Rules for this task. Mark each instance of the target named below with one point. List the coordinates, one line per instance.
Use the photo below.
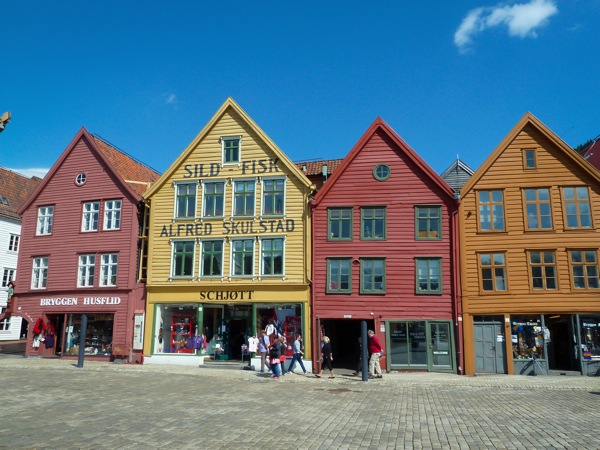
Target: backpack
(274, 352)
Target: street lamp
(4, 119)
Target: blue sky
(450, 77)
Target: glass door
(440, 347)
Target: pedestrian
(274, 355)
(298, 347)
(263, 347)
(359, 366)
(327, 357)
(375, 350)
(282, 354)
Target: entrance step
(234, 365)
(568, 373)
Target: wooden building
(78, 254)
(384, 252)
(530, 236)
(228, 240)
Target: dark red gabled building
(384, 243)
(79, 253)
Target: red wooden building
(79, 253)
(384, 231)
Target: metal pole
(82, 334)
(364, 350)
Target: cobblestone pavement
(49, 403)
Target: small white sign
(347, 316)
(382, 327)
(500, 338)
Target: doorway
(562, 349)
(344, 336)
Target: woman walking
(327, 357)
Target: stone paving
(52, 404)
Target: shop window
(273, 197)
(87, 266)
(492, 267)
(590, 336)
(108, 270)
(491, 210)
(272, 257)
(185, 200)
(91, 212)
(13, 243)
(339, 275)
(39, 276)
(98, 337)
(243, 198)
(212, 258)
(339, 224)
(408, 343)
(543, 269)
(280, 320)
(372, 276)
(373, 223)
(176, 330)
(214, 199)
(429, 222)
(578, 213)
(182, 263)
(112, 215)
(429, 273)
(537, 209)
(527, 337)
(231, 147)
(45, 219)
(242, 257)
(584, 267)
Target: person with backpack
(274, 355)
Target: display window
(176, 329)
(527, 335)
(590, 336)
(98, 337)
(280, 320)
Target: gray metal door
(489, 348)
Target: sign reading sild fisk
(252, 167)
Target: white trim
(201, 264)
(233, 183)
(260, 257)
(216, 181)
(222, 140)
(182, 277)
(231, 261)
(262, 196)
(177, 183)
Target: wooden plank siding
(557, 166)
(411, 183)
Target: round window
(80, 179)
(381, 172)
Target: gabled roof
(312, 168)
(229, 103)
(380, 125)
(529, 120)
(457, 174)
(135, 178)
(14, 191)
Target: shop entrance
(490, 348)
(562, 349)
(344, 336)
(227, 327)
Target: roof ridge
(133, 158)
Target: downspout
(457, 295)
(316, 326)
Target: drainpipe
(457, 294)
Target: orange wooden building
(530, 235)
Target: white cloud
(170, 99)
(522, 20)
(33, 171)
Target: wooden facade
(228, 240)
(78, 252)
(530, 235)
(399, 279)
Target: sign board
(138, 331)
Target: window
(242, 257)
(372, 223)
(537, 207)
(491, 211)
(429, 222)
(91, 212)
(185, 200)
(214, 199)
(543, 270)
(7, 276)
(108, 270)
(429, 272)
(243, 198)
(39, 276)
(339, 224)
(87, 264)
(529, 161)
(273, 197)
(577, 207)
(271, 257)
(527, 336)
(372, 276)
(493, 272)
(45, 216)
(381, 172)
(183, 259)
(339, 275)
(80, 179)
(231, 149)
(212, 258)
(112, 215)
(13, 243)
(584, 267)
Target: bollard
(364, 350)
(82, 335)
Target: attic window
(529, 159)
(381, 172)
(80, 179)
(4, 201)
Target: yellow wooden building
(530, 236)
(228, 246)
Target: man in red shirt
(375, 350)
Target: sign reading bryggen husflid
(228, 241)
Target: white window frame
(172, 271)
(232, 262)
(45, 219)
(204, 183)
(262, 196)
(90, 211)
(175, 202)
(8, 275)
(233, 204)
(201, 268)
(13, 243)
(260, 263)
(86, 270)
(109, 265)
(39, 273)
(231, 138)
(112, 215)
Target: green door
(440, 351)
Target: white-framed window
(91, 213)
(45, 218)
(244, 196)
(232, 149)
(8, 275)
(213, 199)
(87, 266)
(13, 243)
(39, 275)
(182, 258)
(272, 257)
(212, 258)
(242, 257)
(185, 200)
(273, 196)
(112, 215)
(108, 269)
